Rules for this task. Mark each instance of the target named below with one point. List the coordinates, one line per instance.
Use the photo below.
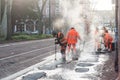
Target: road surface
(20, 55)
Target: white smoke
(71, 11)
(73, 14)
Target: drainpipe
(116, 37)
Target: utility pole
(116, 36)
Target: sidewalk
(90, 66)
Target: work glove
(56, 41)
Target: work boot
(74, 58)
(63, 60)
(109, 50)
(99, 49)
(106, 49)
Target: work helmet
(60, 35)
(54, 33)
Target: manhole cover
(85, 64)
(34, 76)
(82, 69)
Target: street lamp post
(116, 37)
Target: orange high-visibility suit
(108, 40)
(72, 37)
(61, 40)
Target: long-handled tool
(55, 54)
(82, 46)
(55, 50)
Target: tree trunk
(0, 13)
(9, 26)
(0, 18)
(40, 15)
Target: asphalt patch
(34, 76)
(82, 70)
(84, 64)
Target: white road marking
(4, 46)
(19, 43)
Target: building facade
(50, 13)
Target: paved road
(17, 56)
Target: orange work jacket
(72, 36)
(108, 38)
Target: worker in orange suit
(108, 41)
(72, 37)
(61, 40)
(103, 34)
